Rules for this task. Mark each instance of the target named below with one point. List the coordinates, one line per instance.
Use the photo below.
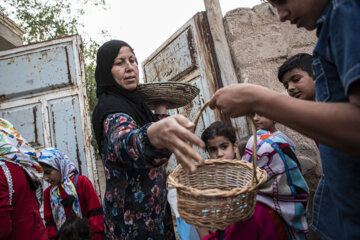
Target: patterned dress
(135, 203)
(285, 190)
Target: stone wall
(259, 44)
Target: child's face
(302, 13)
(221, 147)
(52, 176)
(299, 84)
(264, 123)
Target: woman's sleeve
(130, 144)
(91, 207)
(48, 217)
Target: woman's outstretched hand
(173, 133)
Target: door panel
(174, 61)
(45, 98)
(31, 124)
(188, 56)
(66, 129)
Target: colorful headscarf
(15, 149)
(60, 161)
(285, 190)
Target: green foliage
(43, 20)
(49, 19)
(90, 65)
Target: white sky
(146, 24)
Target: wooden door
(45, 99)
(189, 56)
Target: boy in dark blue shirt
(333, 120)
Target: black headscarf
(111, 97)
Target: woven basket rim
(250, 186)
(244, 197)
(175, 94)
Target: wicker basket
(174, 94)
(220, 193)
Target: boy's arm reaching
(333, 124)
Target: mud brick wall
(259, 44)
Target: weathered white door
(189, 56)
(43, 94)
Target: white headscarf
(15, 149)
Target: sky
(146, 24)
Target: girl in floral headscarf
(20, 187)
(69, 194)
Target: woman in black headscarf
(135, 146)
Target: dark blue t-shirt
(337, 67)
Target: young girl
(267, 124)
(220, 141)
(20, 187)
(281, 201)
(69, 194)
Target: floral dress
(135, 203)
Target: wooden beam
(226, 66)
(216, 23)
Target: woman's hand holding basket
(173, 134)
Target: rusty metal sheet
(31, 72)
(177, 59)
(31, 127)
(46, 100)
(192, 61)
(66, 130)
